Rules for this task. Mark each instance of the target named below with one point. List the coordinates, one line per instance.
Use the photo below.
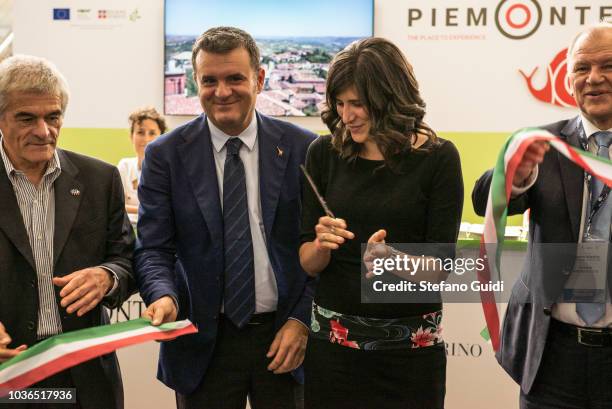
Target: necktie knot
(233, 146)
(603, 139)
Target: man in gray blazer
(560, 349)
(65, 240)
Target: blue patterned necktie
(600, 226)
(239, 292)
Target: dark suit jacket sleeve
(303, 309)
(119, 245)
(155, 254)
(480, 195)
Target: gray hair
(603, 24)
(27, 73)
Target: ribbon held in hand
(492, 240)
(63, 351)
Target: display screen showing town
(297, 41)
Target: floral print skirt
(376, 333)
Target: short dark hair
(144, 113)
(387, 88)
(222, 40)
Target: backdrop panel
(485, 68)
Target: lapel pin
(75, 192)
(279, 151)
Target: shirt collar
(248, 136)
(52, 167)
(590, 128)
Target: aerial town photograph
(295, 43)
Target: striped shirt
(37, 206)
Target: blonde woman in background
(146, 124)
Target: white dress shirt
(130, 176)
(266, 292)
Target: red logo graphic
(518, 19)
(557, 90)
(102, 14)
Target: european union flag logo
(61, 14)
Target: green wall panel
(107, 144)
(478, 152)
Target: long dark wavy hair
(387, 88)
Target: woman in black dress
(387, 177)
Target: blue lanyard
(595, 206)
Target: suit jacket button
(33, 283)
(30, 325)
(566, 271)
(547, 311)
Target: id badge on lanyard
(588, 280)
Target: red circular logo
(510, 14)
(518, 19)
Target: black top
(420, 202)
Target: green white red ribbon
(492, 240)
(66, 350)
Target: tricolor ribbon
(492, 240)
(67, 350)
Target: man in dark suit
(559, 348)
(65, 240)
(221, 194)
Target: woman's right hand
(331, 233)
(315, 255)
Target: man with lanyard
(556, 342)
